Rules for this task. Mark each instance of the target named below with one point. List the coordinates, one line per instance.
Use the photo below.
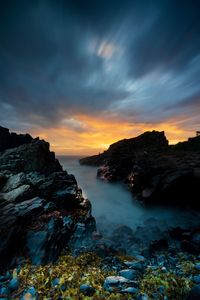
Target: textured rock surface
(154, 171)
(41, 206)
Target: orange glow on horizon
(99, 133)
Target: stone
(197, 266)
(14, 284)
(4, 291)
(136, 265)
(87, 290)
(129, 290)
(140, 258)
(18, 194)
(129, 274)
(194, 294)
(32, 291)
(142, 297)
(196, 279)
(56, 282)
(116, 282)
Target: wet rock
(197, 266)
(30, 293)
(129, 274)
(14, 284)
(142, 297)
(87, 290)
(56, 282)
(134, 265)
(49, 207)
(119, 282)
(194, 293)
(129, 290)
(4, 291)
(196, 279)
(18, 194)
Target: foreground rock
(154, 171)
(41, 206)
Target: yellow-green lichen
(175, 287)
(71, 272)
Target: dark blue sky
(134, 62)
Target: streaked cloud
(101, 70)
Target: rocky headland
(155, 172)
(42, 210)
(50, 247)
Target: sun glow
(98, 133)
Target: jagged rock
(34, 156)
(11, 140)
(41, 206)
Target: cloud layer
(66, 63)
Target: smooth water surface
(113, 204)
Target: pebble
(14, 284)
(134, 265)
(129, 290)
(197, 266)
(194, 293)
(4, 291)
(32, 291)
(140, 257)
(115, 281)
(87, 289)
(129, 274)
(142, 297)
(196, 279)
(55, 281)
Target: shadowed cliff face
(42, 210)
(154, 171)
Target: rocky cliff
(42, 210)
(11, 139)
(154, 171)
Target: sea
(113, 205)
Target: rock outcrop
(42, 210)
(11, 140)
(154, 171)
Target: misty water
(113, 204)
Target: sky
(84, 74)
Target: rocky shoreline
(42, 207)
(154, 171)
(50, 247)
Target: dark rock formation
(154, 171)
(11, 140)
(41, 206)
